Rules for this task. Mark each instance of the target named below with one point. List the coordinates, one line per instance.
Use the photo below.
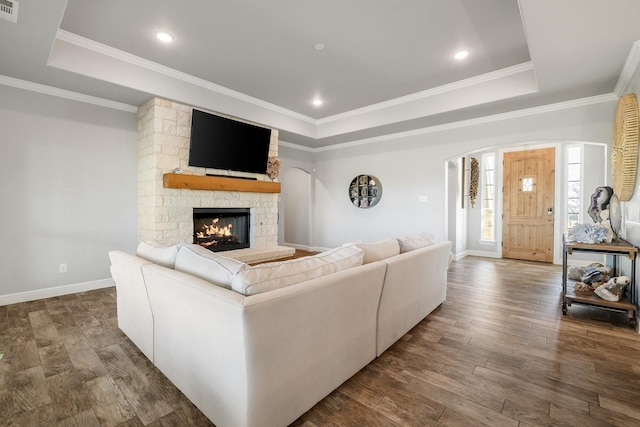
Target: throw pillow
(256, 279)
(379, 250)
(158, 253)
(416, 241)
(207, 265)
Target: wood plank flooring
(498, 352)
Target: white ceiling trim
(66, 94)
(509, 82)
(295, 146)
(120, 55)
(451, 87)
(473, 122)
(629, 69)
(518, 81)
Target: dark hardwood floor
(498, 352)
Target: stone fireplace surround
(166, 214)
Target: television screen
(221, 143)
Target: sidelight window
(488, 197)
(574, 188)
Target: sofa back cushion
(415, 241)
(207, 265)
(158, 253)
(382, 249)
(256, 279)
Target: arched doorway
(295, 209)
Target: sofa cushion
(382, 249)
(158, 253)
(415, 241)
(256, 279)
(207, 265)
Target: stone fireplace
(166, 214)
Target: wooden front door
(528, 196)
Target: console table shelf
(616, 248)
(201, 182)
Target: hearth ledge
(254, 255)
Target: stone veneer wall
(166, 214)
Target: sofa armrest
(416, 283)
(135, 318)
(199, 342)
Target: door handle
(549, 211)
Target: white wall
(294, 194)
(595, 168)
(68, 191)
(412, 165)
(403, 176)
(295, 207)
(453, 201)
(631, 209)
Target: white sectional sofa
(265, 358)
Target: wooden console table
(616, 248)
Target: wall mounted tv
(221, 143)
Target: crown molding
(75, 96)
(67, 94)
(462, 84)
(610, 97)
(120, 55)
(629, 69)
(295, 146)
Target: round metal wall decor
(365, 191)
(624, 154)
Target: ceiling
(386, 66)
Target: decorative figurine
(599, 202)
(273, 167)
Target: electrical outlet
(63, 268)
(423, 199)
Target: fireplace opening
(221, 229)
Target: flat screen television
(221, 143)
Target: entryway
(528, 205)
(294, 226)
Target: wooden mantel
(200, 182)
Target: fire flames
(214, 231)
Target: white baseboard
(458, 256)
(296, 246)
(54, 292)
(485, 254)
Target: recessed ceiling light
(164, 36)
(461, 54)
(318, 46)
(317, 102)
